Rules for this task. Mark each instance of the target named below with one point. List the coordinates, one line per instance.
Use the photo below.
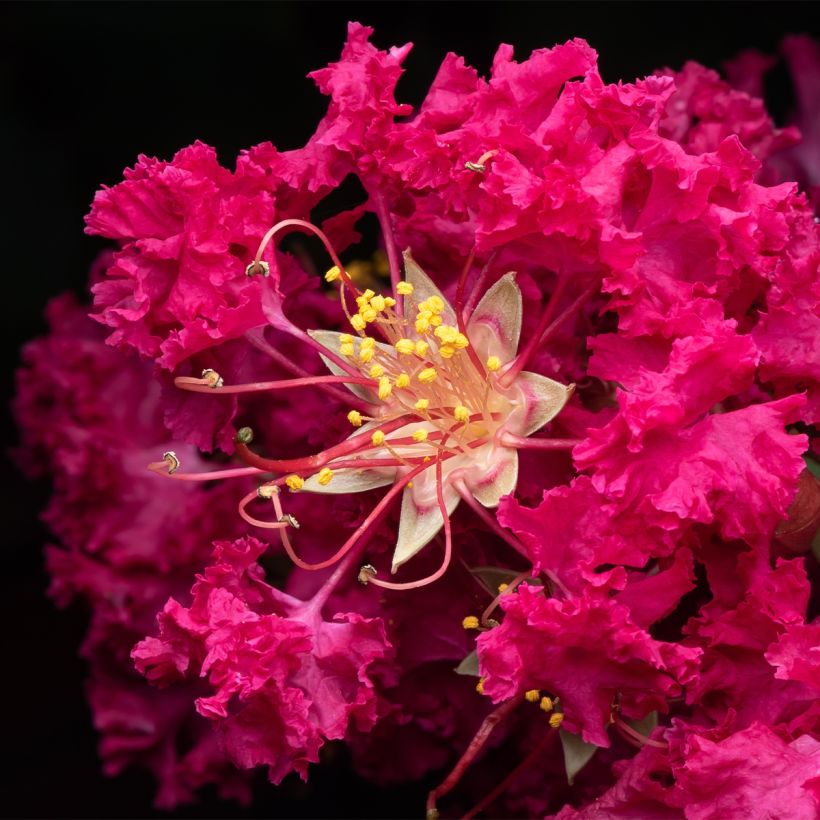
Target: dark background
(84, 88)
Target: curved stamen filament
(485, 616)
(642, 740)
(508, 439)
(390, 248)
(448, 546)
(360, 530)
(161, 468)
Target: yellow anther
(357, 322)
(267, 491)
(295, 482)
(435, 303)
(355, 418)
(378, 303)
(402, 380)
(366, 354)
(420, 435)
(493, 364)
(461, 341)
(333, 274)
(427, 458)
(470, 622)
(428, 375)
(556, 719)
(422, 404)
(347, 349)
(377, 438)
(368, 343)
(345, 339)
(422, 347)
(368, 314)
(435, 321)
(377, 371)
(389, 301)
(447, 351)
(362, 300)
(385, 388)
(406, 346)
(404, 288)
(461, 413)
(532, 695)
(446, 333)
(546, 704)
(479, 687)
(503, 587)
(212, 378)
(325, 474)
(422, 324)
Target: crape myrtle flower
(600, 333)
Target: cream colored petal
(495, 326)
(501, 479)
(421, 519)
(348, 480)
(424, 287)
(331, 340)
(543, 400)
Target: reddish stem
(390, 248)
(505, 783)
(161, 468)
(476, 744)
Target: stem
(504, 784)
(521, 443)
(541, 336)
(316, 603)
(201, 386)
(481, 737)
(637, 736)
(390, 248)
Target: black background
(84, 88)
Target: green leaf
(577, 753)
(492, 577)
(813, 466)
(469, 666)
(646, 724)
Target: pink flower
(283, 679)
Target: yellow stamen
(404, 288)
(422, 347)
(385, 388)
(295, 482)
(503, 587)
(402, 380)
(428, 375)
(376, 371)
(365, 355)
(479, 687)
(346, 349)
(556, 719)
(470, 622)
(422, 404)
(368, 343)
(447, 351)
(333, 274)
(378, 303)
(389, 301)
(325, 474)
(406, 346)
(493, 364)
(435, 303)
(462, 414)
(357, 322)
(355, 418)
(461, 341)
(377, 438)
(532, 695)
(420, 435)
(368, 314)
(546, 704)
(422, 323)
(345, 338)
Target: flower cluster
(593, 319)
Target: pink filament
(390, 248)
(161, 468)
(638, 737)
(485, 616)
(448, 546)
(362, 528)
(521, 443)
(201, 385)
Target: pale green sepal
(577, 753)
(544, 400)
(469, 666)
(424, 288)
(495, 325)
